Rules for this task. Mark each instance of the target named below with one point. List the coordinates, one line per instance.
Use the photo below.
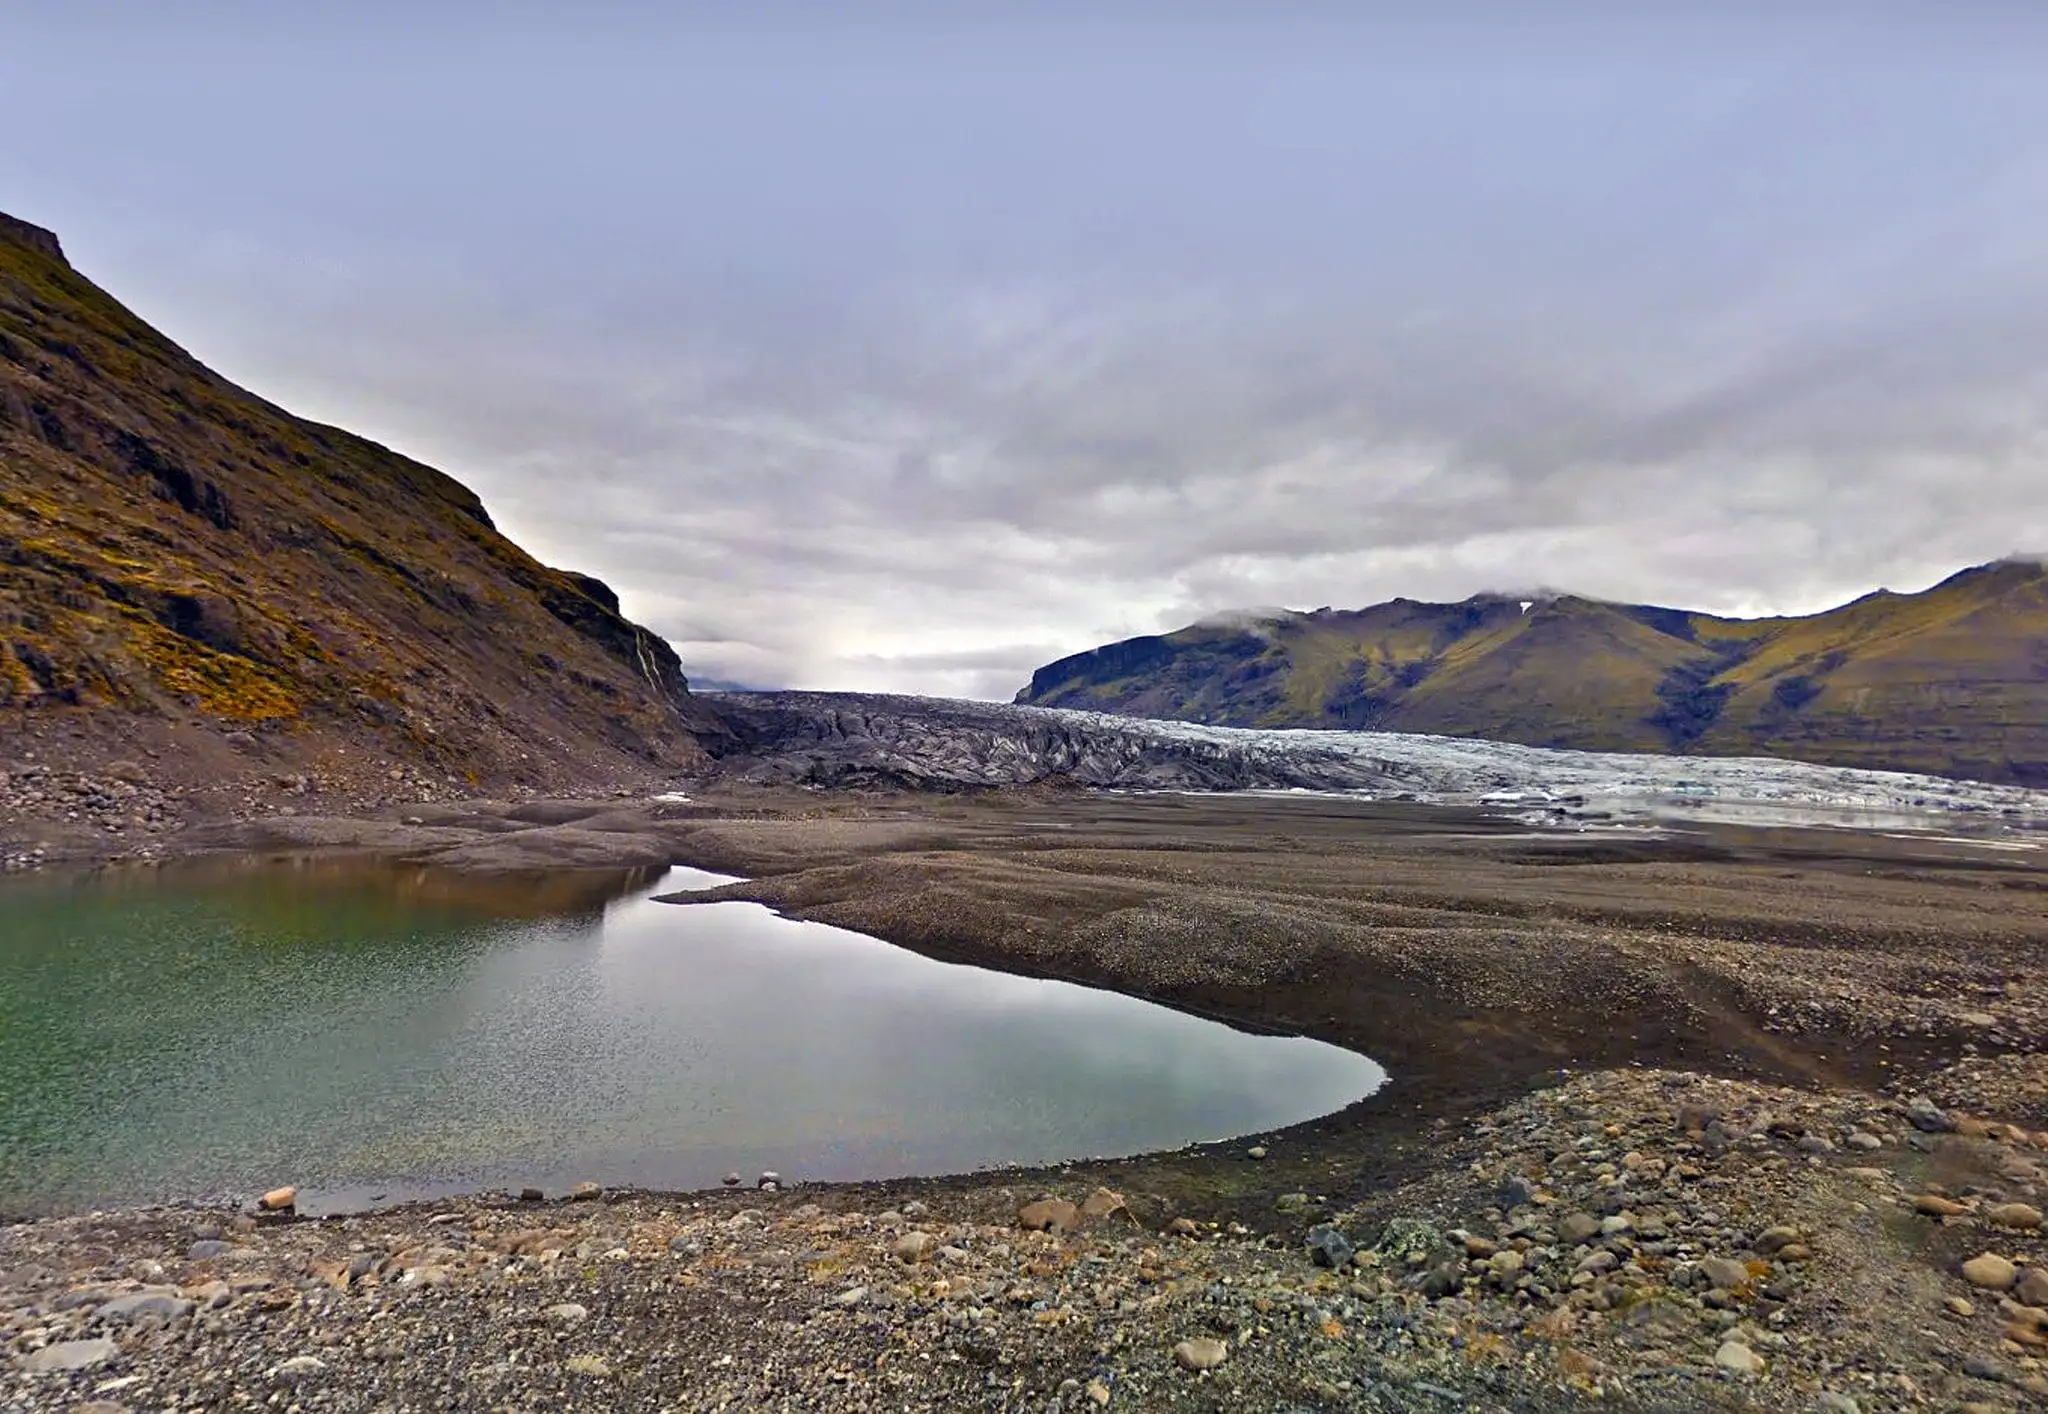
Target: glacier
(871, 739)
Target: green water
(380, 1034)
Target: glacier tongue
(862, 738)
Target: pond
(378, 1034)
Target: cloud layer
(898, 351)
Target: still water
(375, 1034)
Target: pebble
(1933, 1205)
(2019, 1215)
(1257, 1151)
(278, 1200)
(2032, 1286)
(586, 1192)
(568, 1313)
(1201, 1353)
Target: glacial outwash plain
(1715, 1075)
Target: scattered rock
(1048, 1215)
(206, 1249)
(1577, 1228)
(1771, 1239)
(1725, 1273)
(2032, 1286)
(1327, 1247)
(590, 1366)
(1257, 1151)
(1990, 1272)
(1982, 1367)
(914, 1246)
(1103, 1202)
(1739, 1359)
(2019, 1215)
(1200, 1353)
(279, 1200)
(1924, 1115)
(69, 1355)
(567, 1313)
(160, 1304)
(297, 1368)
(586, 1192)
(1933, 1205)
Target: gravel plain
(1713, 1119)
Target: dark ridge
(1673, 623)
(16, 231)
(1104, 664)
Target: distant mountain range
(1951, 681)
(179, 556)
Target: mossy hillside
(172, 544)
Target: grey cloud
(911, 352)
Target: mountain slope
(177, 553)
(1951, 681)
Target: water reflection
(367, 1031)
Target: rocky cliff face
(1952, 681)
(182, 563)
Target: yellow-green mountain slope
(175, 550)
(1953, 680)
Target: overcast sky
(907, 347)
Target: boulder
(1990, 1271)
(1200, 1353)
(1049, 1215)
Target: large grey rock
(1410, 1240)
(1328, 1247)
(159, 1303)
(67, 1355)
(1927, 1117)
